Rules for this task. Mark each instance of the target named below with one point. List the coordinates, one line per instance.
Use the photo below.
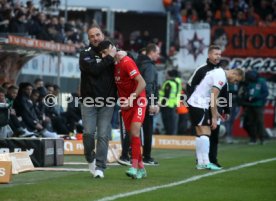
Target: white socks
(202, 150)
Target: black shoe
(217, 164)
(150, 161)
(124, 161)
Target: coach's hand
(214, 124)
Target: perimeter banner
(245, 41)
(75, 147)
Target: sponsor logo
(133, 72)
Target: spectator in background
(234, 110)
(5, 130)
(223, 15)
(5, 18)
(252, 96)
(174, 7)
(38, 83)
(252, 17)
(263, 9)
(24, 108)
(15, 123)
(240, 20)
(18, 24)
(73, 113)
(183, 114)
(54, 111)
(188, 13)
(148, 71)
(39, 107)
(168, 98)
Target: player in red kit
(132, 98)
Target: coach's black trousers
(148, 131)
(213, 151)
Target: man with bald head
(98, 94)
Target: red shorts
(134, 114)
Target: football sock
(205, 146)
(136, 151)
(198, 151)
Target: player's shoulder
(127, 59)
(218, 71)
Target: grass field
(175, 179)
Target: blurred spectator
(25, 108)
(16, 123)
(18, 24)
(73, 113)
(237, 7)
(223, 15)
(168, 97)
(264, 8)
(252, 96)
(38, 83)
(54, 111)
(252, 17)
(174, 7)
(189, 14)
(5, 130)
(234, 110)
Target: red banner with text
(245, 41)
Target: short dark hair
(213, 47)
(95, 26)
(104, 45)
(56, 87)
(38, 80)
(151, 47)
(12, 87)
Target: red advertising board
(40, 44)
(245, 41)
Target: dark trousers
(256, 127)
(148, 132)
(170, 120)
(147, 143)
(126, 151)
(182, 124)
(213, 151)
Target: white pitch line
(191, 179)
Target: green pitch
(257, 182)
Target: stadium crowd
(27, 20)
(31, 110)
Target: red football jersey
(124, 73)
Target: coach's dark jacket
(198, 75)
(149, 73)
(97, 74)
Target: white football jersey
(201, 97)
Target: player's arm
(214, 110)
(89, 64)
(140, 87)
